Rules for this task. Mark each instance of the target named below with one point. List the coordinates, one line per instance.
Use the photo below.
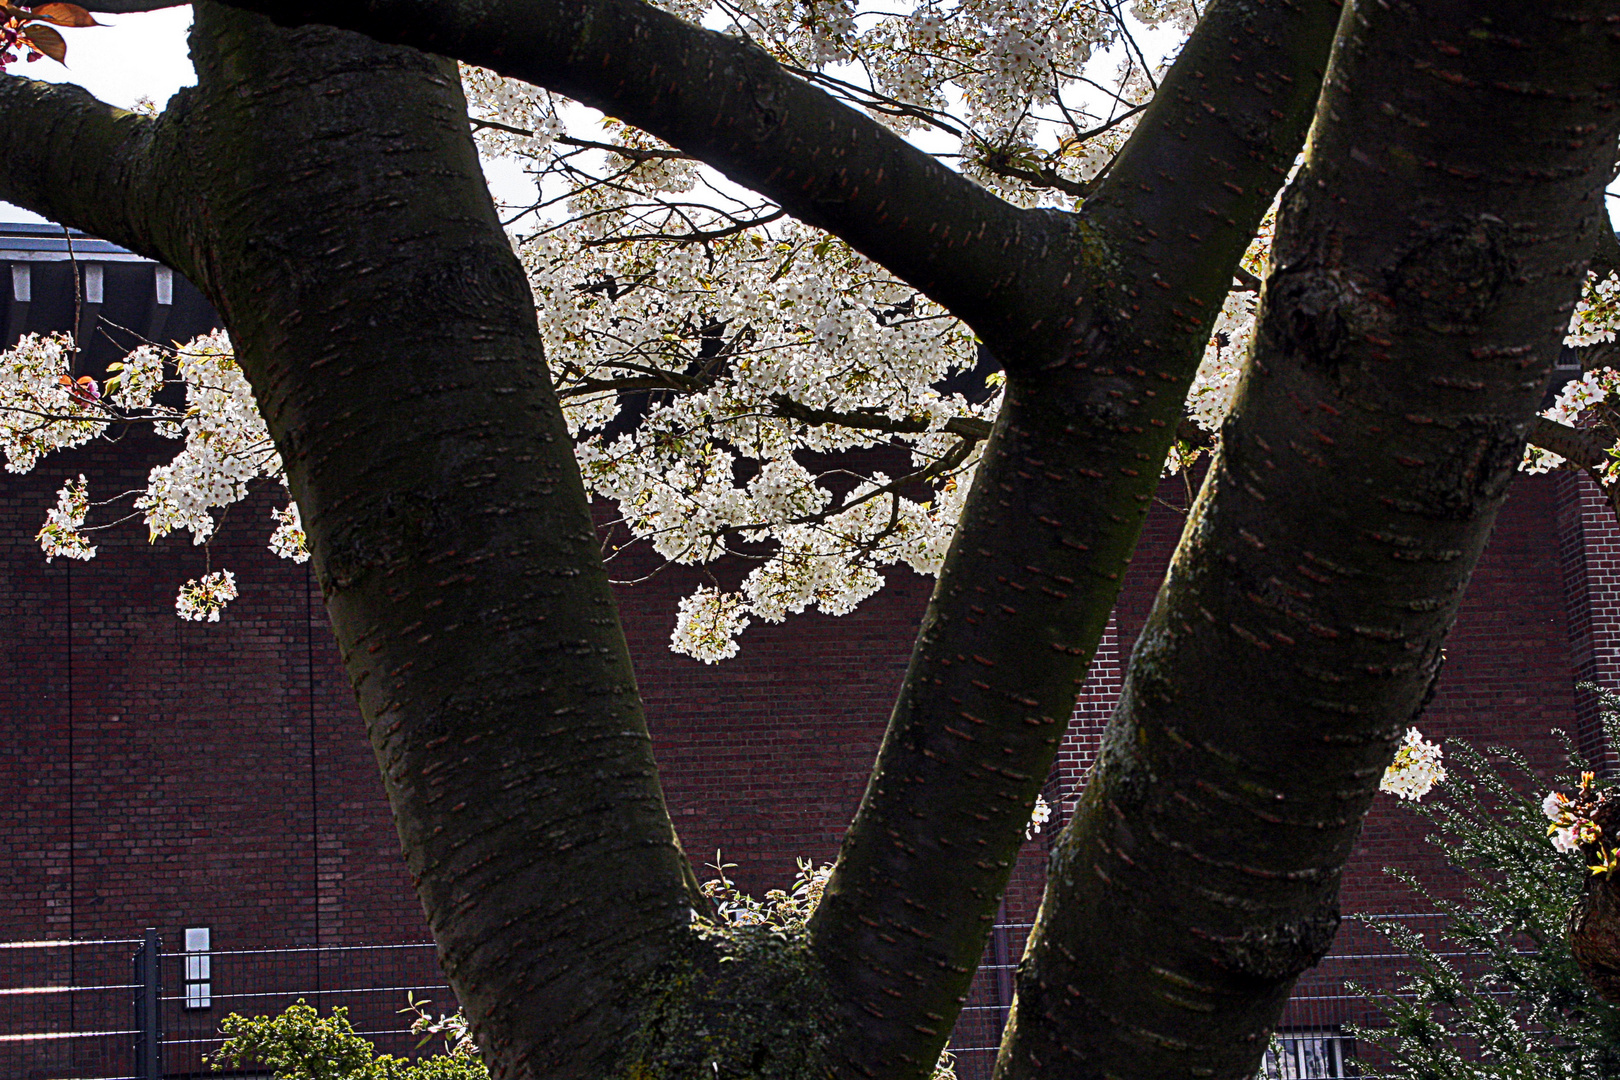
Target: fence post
(148, 1039)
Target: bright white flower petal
(1416, 768)
(204, 597)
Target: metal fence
(125, 1009)
(1311, 1037)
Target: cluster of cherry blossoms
(60, 534)
(1588, 403)
(1416, 768)
(739, 384)
(1597, 313)
(1575, 825)
(204, 597)
(1041, 815)
(696, 380)
(42, 408)
(1585, 402)
(743, 385)
(227, 449)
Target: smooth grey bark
(1425, 264)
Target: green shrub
(1521, 1009)
(300, 1044)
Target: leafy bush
(1517, 1006)
(300, 1044)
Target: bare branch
(968, 427)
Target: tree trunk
(324, 192)
(1100, 319)
(1426, 261)
(333, 208)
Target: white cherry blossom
(203, 598)
(738, 384)
(61, 535)
(1416, 768)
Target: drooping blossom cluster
(1597, 313)
(60, 535)
(1416, 768)
(204, 597)
(1575, 825)
(227, 445)
(288, 541)
(1041, 815)
(227, 450)
(1585, 402)
(1589, 402)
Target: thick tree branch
(1099, 318)
(84, 163)
(969, 427)
(1580, 447)
(729, 103)
(389, 334)
(1426, 262)
(1093, 400)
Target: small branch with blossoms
(1577, 824)
(227, 449)
(1416, 768)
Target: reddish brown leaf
(65, 15)
(46, 40)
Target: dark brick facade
(171, 774)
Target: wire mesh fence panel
(67, 1008)
(978, 1029)
(373, 983)
(83, 1010)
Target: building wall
(175, 774)
(202, 758)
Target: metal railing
(125, 1009)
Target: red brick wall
(188, 796)
(193, 801)
(1509, 674)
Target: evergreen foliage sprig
(1498, 996)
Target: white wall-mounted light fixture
(199, 986)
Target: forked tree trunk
(1426, 261)
(323, 190)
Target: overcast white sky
(144, 55)
(136, 56)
